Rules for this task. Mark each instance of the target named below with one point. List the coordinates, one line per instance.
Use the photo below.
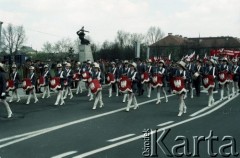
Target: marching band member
(148, 84)
(190, 70)
(209, 75)
(160, 70)
(3, 90)
(87, 70)
(197, 72)
(223, 74)
(46, 76)
(97, 75)
(113, 82)
(236, 73)
(132, 74)
(14, 76)
(68, 81)
(78, 79)
(61, 74)
(178, 88)
(141, 68)
(33, 78)
(124, 71)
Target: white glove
(3, 94)
(133, 78)
(184, 77)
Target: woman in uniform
(33, 78)
(178, 81)
(16, 78)
(161, 71)
(132, 75)
(209, 75)
(61, 74)
(47, 76)
(113, 70)
(96, 74)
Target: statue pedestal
(85, 53)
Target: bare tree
(47, 47)
(135, 37)
(14, 37)
(123, 38)
(63, 45)
(154, 34)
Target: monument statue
(85, 52)
(81, 35)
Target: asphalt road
(43, 130)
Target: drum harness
(235, 71)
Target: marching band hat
(46, 66)
(182, 64)
(113, 63)
(149, 60)
(14, 66)
(89, 62)
(125, 61)
(31, 68)
(78, 63)
(2, 67)
(234, 60)
(188, 59)
(64, 63)
(95, 64)
(68, 65)
(134, 64)
(212, 61)
(59, 65)
(225, 59)
(161, 61)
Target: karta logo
(142, 76)
(108, 78)
(84, 75)
(182, 145)
(177, 83)
(123, 84)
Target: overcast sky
(52, 20)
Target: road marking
(166, 123)
(119, 138)
(206, 108)
(159, 130)
(64, 154)
(50, 129)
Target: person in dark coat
(197, 73)
(3, 90)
